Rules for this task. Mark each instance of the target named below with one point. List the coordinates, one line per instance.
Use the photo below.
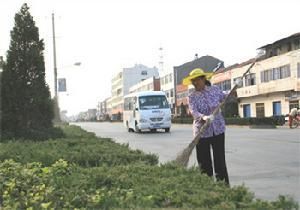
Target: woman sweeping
(202, 102)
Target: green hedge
(80, 147)
(276, 120)
(182, 120)
(100, 174)
(40, 134)
(67, 186)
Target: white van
(147, 110)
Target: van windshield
(153, 102)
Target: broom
(183, 158)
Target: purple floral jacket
(203, 103)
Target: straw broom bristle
(183, 158)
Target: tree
(26, 101)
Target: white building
(150, 84)
(167, 85)
(123, 81)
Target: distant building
(151, 83)
(108, 102)
(102, 110)
(91, 114)
(207, 63)
(167, 85)
(123, 81)
(272, 87)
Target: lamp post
(56, 105)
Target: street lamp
(56, 105)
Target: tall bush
(26, 108)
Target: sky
(106, 36)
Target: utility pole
(54, 56)
(161, 60)
(56, 106)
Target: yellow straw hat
(194, 74)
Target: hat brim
(188, 80)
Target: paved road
(266, 160)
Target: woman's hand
(208, 117)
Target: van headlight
(168, 118)
(142, 120)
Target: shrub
(256, 121)
(182, 120)
(275, 120)
(237, 121)
(134, 187)
(41, 134)
(79, 147)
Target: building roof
(296, 35)
(237, 65)
(207, 63)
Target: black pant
(204, 156)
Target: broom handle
(207, 123)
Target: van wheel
(137, 130)
(167, 130)
(128, 129)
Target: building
(167, 85)
(223, 79)
(102, 110)
(272, 87)
(91, 114)
(151, 83)
(109, 107)
(207, 63)
(123, 81)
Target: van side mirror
(136, 109)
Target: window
(241, 84)
(171, 93)
(278, 50)
(289, 46)
(225, 85)
(129, 103)
(285, 71)
(250, 80)
(275, 73)
(260, 110)
(119, 91)
(297, 44)
(153, 102)
(276, 108)
(167, 94)
(294, 104)
(144, 72)
(246, 110)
